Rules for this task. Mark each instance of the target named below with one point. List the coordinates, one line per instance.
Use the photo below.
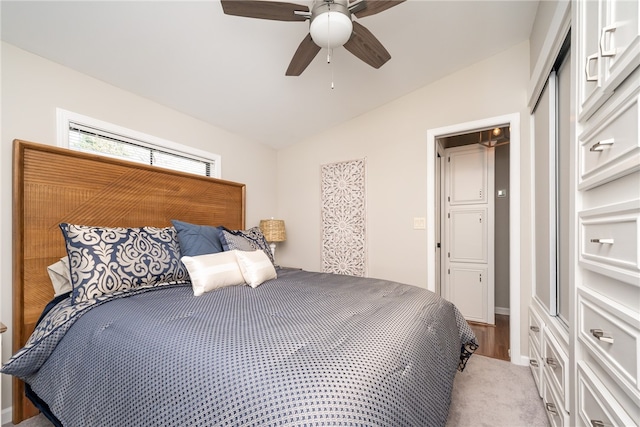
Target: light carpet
(489, 393)
(496, 393)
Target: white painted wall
(393, 139)
(33, 87)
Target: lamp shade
(273, 230)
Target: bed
(291, 348)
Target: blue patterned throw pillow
(105, 260)
(197, 239)
(245, 240)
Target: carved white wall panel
(344, 218)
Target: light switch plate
(419, 223)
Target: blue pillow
(245, 240)
(197, 239)
(105, 260)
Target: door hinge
(449, 159)
(438, 245)
(448, 254)
(448, 271)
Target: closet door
(563, 188)
(469, 240)
(545, 196)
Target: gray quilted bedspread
(306, 349)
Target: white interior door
(469, 239)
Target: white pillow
(212, 271)
(256, 267)
(59, 274)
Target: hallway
(493, 340)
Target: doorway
(434, 187)
(467, 227)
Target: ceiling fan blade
(376, 6)
(264, 9)
(307, 50)
(364, 45)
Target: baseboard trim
(6, 416)
(501, 310)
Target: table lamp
(273, 230)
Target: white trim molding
(514, 213)
(6, 416)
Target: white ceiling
(229, 71)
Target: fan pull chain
(329, 53)
(329, 48)
(332, 74)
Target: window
(89, 135)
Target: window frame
(65, 118)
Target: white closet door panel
(620, 41)
(544, 197)
(469, 291)
(589, 80)
(468, 235)
(468, 177)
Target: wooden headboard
(53, 185)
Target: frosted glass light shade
(331, 29)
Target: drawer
(535, 363)
(555, 367)
(611, 148)
(535, 329)
(609, 241)
(557, 416)
(611, 333)
(596, 406)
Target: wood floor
(493, 340)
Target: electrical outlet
(419, 223)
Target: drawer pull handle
(591, 77)
(551, 408)
(603, 41)
(533, 363)
(534, 328)
(598, 423)
(601, 145)
(551, 362)
(602, 241)
(601, 335)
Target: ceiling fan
(331, 25)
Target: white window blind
(96, 137)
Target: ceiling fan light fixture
(331, 29)
(330, 26)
